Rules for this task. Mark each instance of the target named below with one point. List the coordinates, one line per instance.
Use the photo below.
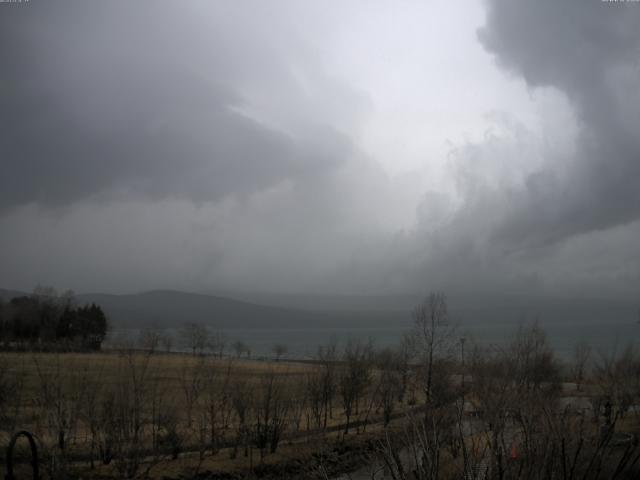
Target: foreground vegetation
(425, 410)
(126, 413)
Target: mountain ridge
(165, 308)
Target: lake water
(563, 337)
(604, 337)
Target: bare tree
(218, 402)
(354, 377)
(192, 379)
(11, 400)
(89, 412)
(433, 334)
(196, 337)
(327, 356)
(618, 377)
(217, 344)
(5, 330)
(170, 435)
(517, 429)
(389, 388)
(239, 348)
(125, 414)
(581, 356)
(271, 410)
(405, 352)
(563, 448)
(242, 406)
(298, 403)
(279, 350)
(59, 397)
(166, 340)
(316, 398)
(515, 389)
(149, 339)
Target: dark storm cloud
(202, 145)
(591, 52)
(140, 98)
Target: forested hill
(165, 308)
(168, 308)
(7, 295)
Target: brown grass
(169, 372)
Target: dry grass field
(132, 414)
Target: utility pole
(462, 340)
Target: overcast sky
(321, 146)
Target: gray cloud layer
(591, 52)
(530, 216)
(104, 99)
(207, 146)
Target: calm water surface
(304, 342)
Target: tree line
(48, 320)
